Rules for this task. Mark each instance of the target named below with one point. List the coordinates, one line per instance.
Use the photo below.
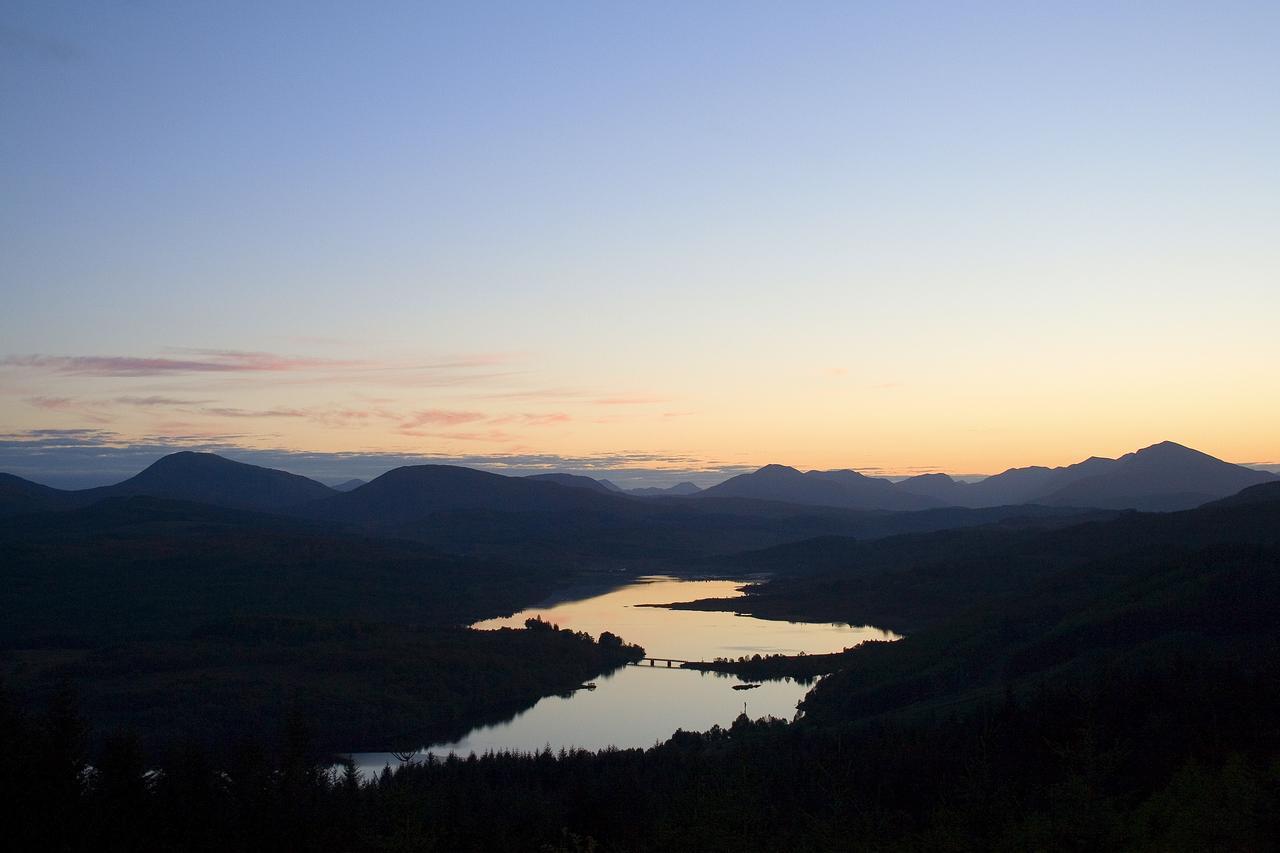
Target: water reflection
(640, 705)
(688, 634)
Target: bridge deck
(655, 661)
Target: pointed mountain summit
(846, 489)
(212, 479)
(1162, 477)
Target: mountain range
(1162, 477)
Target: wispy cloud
(86, 410)
(629, 400)
(440, 417)
(155, 400)
(52, 403)
(579, 395)
(526, 419)
(229, 412)
(212, 361)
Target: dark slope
(145, 567)
(1261, 493)
(846, 489)
(19, 496)
(1165, 476)
(916, 581)
(211, 479)
(576, 481)
(186, 622)
(1204, 585)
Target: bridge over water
(669, 663)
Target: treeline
(366, 686)
(757, 667)
(1187, 758)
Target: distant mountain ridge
(576, 481)
(846, 489)
(1163, 477)
(348, 485)
(679, 490)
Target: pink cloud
(580, 394)
(629, 400)
(52, 403)
(532, 419)
(545, 420)
(86, 410)
(157, 401)
(440, 417)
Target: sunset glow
(253, 230)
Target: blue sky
(895, 236)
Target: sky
(667, 240)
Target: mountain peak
(209, 478)
(1164, 476)
(1170, 449)
(935, 477)
(846, 489)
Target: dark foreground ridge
(1111, 683)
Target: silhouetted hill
(847, 489)
(348, 485)
(414, 492)
(1026, 485)
(937, 486)
(679, 490)
(186, 476)
(1165, 476)
(1261, 493)
(212, 479)
(575, 481)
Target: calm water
(639, 705)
